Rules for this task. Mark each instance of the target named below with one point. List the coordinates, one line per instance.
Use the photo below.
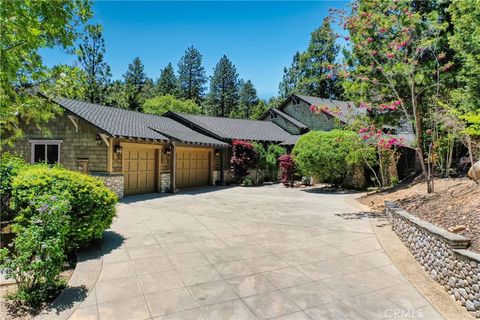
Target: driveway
(248, 253)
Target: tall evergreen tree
(167, 83)
(191, 75)
(135, 79)
(316, 64)
(91, 58)
(117, 95)
(247, 99)
(311, 72)
(223, 96)
(290, 77)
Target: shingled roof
(132, 124)
(291, 141)
(345, 111)
(228, 128)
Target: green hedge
(10, 166)
(330, 156)
(92, 204)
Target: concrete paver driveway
(248, 253)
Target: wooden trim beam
(110, 156)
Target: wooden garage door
(192, 167)
(139, 170)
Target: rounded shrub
(92, 204)
(328, 155)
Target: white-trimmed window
(45, 151)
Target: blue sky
(259, 37)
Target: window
(45, 151)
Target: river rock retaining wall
(444, 255)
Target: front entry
(193, 167)
(139, 170)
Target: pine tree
(135, 79)
(247, 99)
(290, 77)
(167, 83)
(311, 72)
(223, 96)
(191, 75)
(316, 64)
(91, 58)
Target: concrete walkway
(248, 253)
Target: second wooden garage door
(139, 170)
(192, 167)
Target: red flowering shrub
(244, 157)
(287, 169)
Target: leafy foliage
(259, 109)
(287, 169)
(247, 100)
(244, 157)
(268, 159)
(91, 54)
(135, 81)
(191, 75)
(10, 166)
(161, 104)
(92, 205)
(223, 96)
(167, 84)
(328, 155)
(37, 256)
(28, 26)
(311, 72)
(464, 40)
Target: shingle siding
(76, 145)
(314, 121)
(284, 124)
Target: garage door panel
(140, 170)
(192, 168)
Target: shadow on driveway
(157, 195)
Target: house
(132, 152)
(136, 153)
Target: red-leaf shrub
(287, 169)
(244, 157)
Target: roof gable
(345, 111)
(285, 116)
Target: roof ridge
(216, 117)
(114, 108)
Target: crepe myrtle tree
(395, 62)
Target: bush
(10, 166)
(268, 159)
(161, 104)
(287, 169)
(92, 204)
(244, 157)
(37, 255)
(328, 155)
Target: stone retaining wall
(113, 182)
(444, 255)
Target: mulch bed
(455, 205)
